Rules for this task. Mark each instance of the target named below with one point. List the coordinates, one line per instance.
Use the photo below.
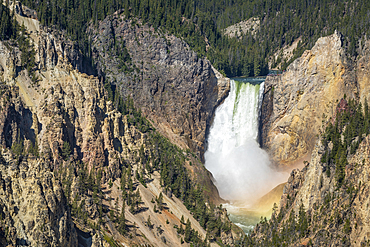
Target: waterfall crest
(240, 167)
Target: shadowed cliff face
(70, 106)
(174, 88)
(296, 102)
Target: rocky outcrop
(284, 54)
(80, 136)
(22, 10)
(362, 71)
(33, 208)
(175, 89)
(334, 215)
(325, 203)
(7, 65)
(297, 102)
(252, 25)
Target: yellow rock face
(298, 102)
(363, 72)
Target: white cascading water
(240, 167)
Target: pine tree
(122, 221)
(302, 221)
(160, 201)
(66, 150)
(188, 231)
(149, 223)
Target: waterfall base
(246, 217)
(240, 167)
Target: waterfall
(240, 167)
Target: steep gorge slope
(107, 168)
(33, 207)
(297, 102)
(317, 111)
(326, 203)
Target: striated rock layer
(326, 203)
(335, 216)
(297, 102)
(65, 116)
(33, 208)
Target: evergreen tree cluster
(169, 160)
(283, 21)
(130, 192)
(8, 25)
(345, 133)
(341, 139)
(10, 30)
(190, 235)
(18, 148)
(326, 223)
(201, 23)
(127, 108)
(294, 228)
(157, 154)
(87, 192)
(185, 19)
(28, 53)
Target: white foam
(240, 167)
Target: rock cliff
(325, 203)
(175, 89)
(313, 209)
(34, 210)
(93, 171)
(298, 101)
(252, 26)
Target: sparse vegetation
(291, 225)
(66, 150)
(345, 133)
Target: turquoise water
(243, 217)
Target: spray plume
(240, 167)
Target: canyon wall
(33, 207)
(298, 102)
(60, 131)
(175, 89)
(325, 214)
(326, 202)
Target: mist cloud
(240, 167)
(243, 174)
